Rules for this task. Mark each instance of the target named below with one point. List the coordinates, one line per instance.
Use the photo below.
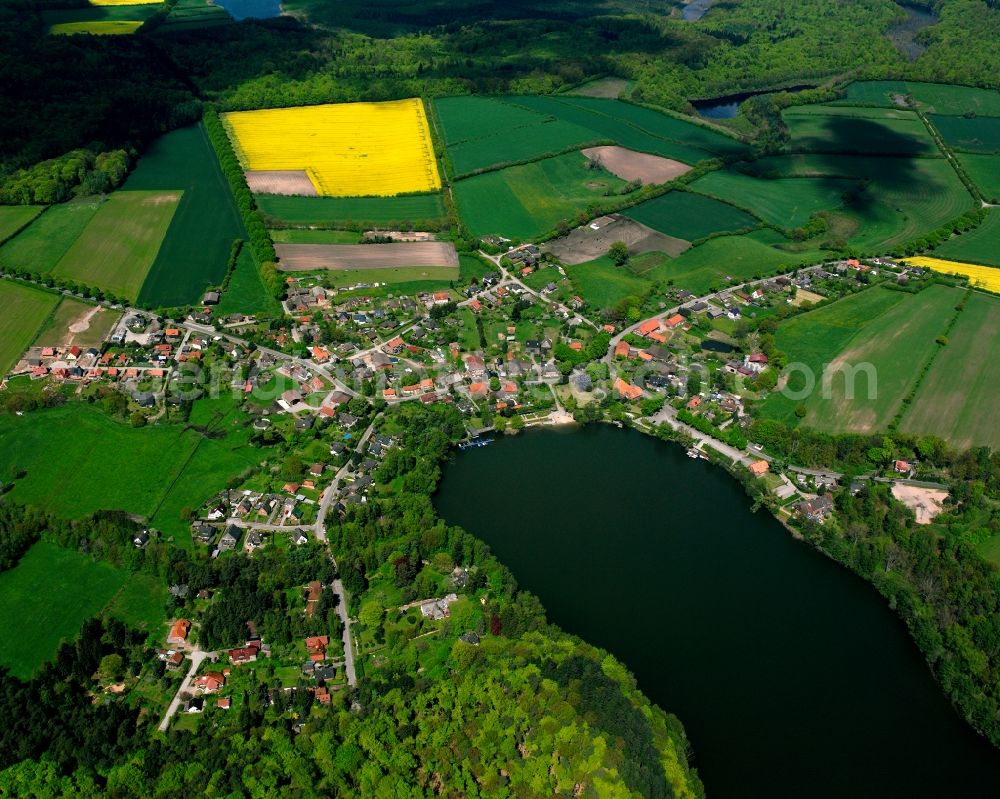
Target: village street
(196, 656)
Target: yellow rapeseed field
(347, 149)
(987, 277)
(123, 2)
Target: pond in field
(728, 107)
(792, 676)
(903, 34)
(247, 9)
(714, 345)
(696, 9)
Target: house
(209, 682)
(204, 533)
(475, 365)
(626, 390)
(477, 390)
(316, 647)
(230, 538)
(179, 632)
(756, 363)
(469, 638)
(141, 539)
(223, 703)
(476, 306)
(902, 467)
(211, 298)
(396, 345)
(195, 705)
(244, 654)
(649, 326)
(437, 609)
(174, 660)
(622, 349)
(693, 403)
(674, 321)
(815, 509)
(254, 540)
(758, 468)
(299, 538)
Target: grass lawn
(689, 216)
(963, 382)
(977, 135)
(427, 276)
(738, 257)
(979, 246)
(469, 266)
(937, 98)
(71, 312)
(118, 246)
(892, 331)
(46, 240)
(526, 201)
(786, 203)
(984, 171)
(79, 460)
(99, 27)
(25, 310)
(141, 603)
(418, 210)
(196, 248)
(15, 217)
(311, 236)
(247, 293)
(45, 599)
(604, 285)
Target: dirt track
(306, 257)
(585, 244)
(631, 165)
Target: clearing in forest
(346, 149)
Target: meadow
(963, 382)
(528, 200)
(45, 599)
(987, 277)
(418, 210)
(193, 14)
(482, 133)
(14, 217)
(788, 203)
(25, 310)
(121, 242)
(976, 134)
(604, 285)
(56, 331)
(689, 216)
(40, 246)
(196, 249)
(984, 171)
(865, 131)
(79, 460)
(247, 293)
(346, 149)
(901, 198)
(978, 246)
(314, 236)
(936, 98)
(892, 331)
(426, 276)
(119, 27)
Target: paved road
(668, 415)
(196, 656)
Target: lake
(728, 106)
(791, 675)
(246, 9)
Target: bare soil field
(306, 257)
(585, 244)
(631, 165)
(290, 182)
(926, 503)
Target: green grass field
(418, 210)
(604, 285)
(893, 332)
(120, 244)
(40, 246)
(311, 236)
(979, 246)
(435, 276)
(15, 217)
(901, 199)
(954, 398)
(99, 27)
(976, 135)
(141, 602)
(689, 216)
(79, 460)
(196, 249)
(481, 133)
(247, 292)
(937, 98)
(46, 598)
(984, 170)
(193, 14)
(528, 200)
(739, 257)
(864, 131)
(25, 310)
(56, 331)
(786, 203)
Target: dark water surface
(245, 9)
(791, 675)
(903, 34)
(728, 107)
